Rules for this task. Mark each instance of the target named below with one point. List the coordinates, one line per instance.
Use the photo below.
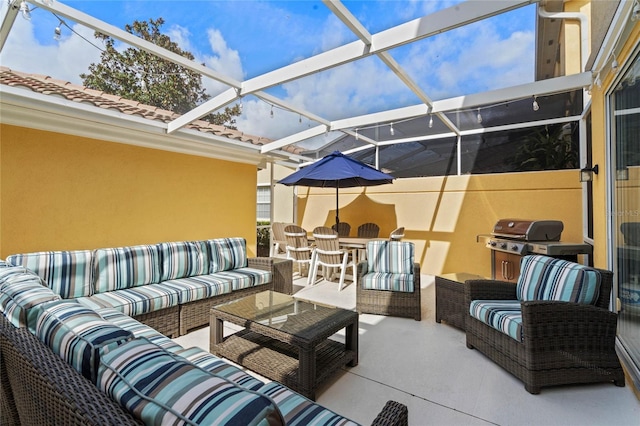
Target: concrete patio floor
(428, 367)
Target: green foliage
(140, 76)
(264, 234)
(547, 149)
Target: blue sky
(247, 38)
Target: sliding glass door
(625, 135)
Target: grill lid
(529, 230)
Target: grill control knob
(514, 247)
(493, 243)
(503, 245)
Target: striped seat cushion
(182, 259)
(245, 277)
(21, 290)
(134, 301)
(547, 278)
(67, 273)
(138, 329)
(199, 287)
(394, 257)
(388, 281)
(76, 334)
(503, 315)
(125, 267)
(219, 367)
(159, 388)
(226, 254)
(298, 410)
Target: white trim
(20, 107)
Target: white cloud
(64, 60)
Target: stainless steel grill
(511, 239)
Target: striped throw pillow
(182, 259)
(76, 334)
(394, 257)
(548, 278)
(67, 273)
(125, 267)
(160, 388)
(226, 254)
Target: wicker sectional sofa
(70, 360)
(169, 286)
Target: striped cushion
(76, 334)
(388, 281)
(199, 287)
(245, 277)
(394, 257)
(134, 301)
(138, 329)
(219, 367)
(226, 254)
(503, 315)
(547, 278)
(125, 267)
(159, 388)
(67, 273)
(21, 290)
(298, 410)
(182, 259)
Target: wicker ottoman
(450, 304)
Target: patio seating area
(428, 367)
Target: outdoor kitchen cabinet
(506, 266)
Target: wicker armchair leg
(393, 414)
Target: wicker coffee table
(285, 339)
(450, 304)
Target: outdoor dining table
(357, 245)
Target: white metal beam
(296, 137)
(9, 19)
(539, 88)
(200, 111)
(349, 20)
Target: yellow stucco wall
(601, 210)
(63, 192)
(443, 215)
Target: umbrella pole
(337, 211)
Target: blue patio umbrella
(337, 170)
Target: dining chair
(368, 230)
(397, 234)
(278, 239)
(328, 254)
(298, 248)
(343, 228)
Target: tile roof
(76, 93)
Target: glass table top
(278, 311)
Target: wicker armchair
(562, 342)
(383, 289)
